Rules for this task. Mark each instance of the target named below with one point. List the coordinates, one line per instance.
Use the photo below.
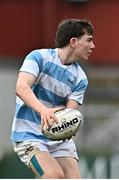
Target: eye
(89, 39)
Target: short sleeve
(33, 63)
(78, 92)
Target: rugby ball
(69, 122)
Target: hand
(48, 116)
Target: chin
(85, 58)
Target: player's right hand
(48, 116)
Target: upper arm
(25, 79)
(30, 69)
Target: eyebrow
(91, 38)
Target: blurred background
(26, 25)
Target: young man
(51, 80)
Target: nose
(92, 45)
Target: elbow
(19, 90)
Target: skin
(78, 48)
(67, 167)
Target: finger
(44, 124)
(51, 122)
(58, 109)
(55, 119)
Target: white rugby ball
(69, 122)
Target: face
(83, 47)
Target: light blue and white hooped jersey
(56, 83)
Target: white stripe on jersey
(27, 126)
(59, 89)
(33, 67)
(19, 101)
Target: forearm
(28, 97)
(72, 104)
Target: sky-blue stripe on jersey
(37, 57)
(27, 113)
(24, 112)
(58, 72)
(51, 51)
(48, 96)
(50, 68)
(22, 136)
(81, 85)
(17, 109)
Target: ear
(73, 42)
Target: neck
(65, 55)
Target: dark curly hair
(72, 28)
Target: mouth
(89, 53)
